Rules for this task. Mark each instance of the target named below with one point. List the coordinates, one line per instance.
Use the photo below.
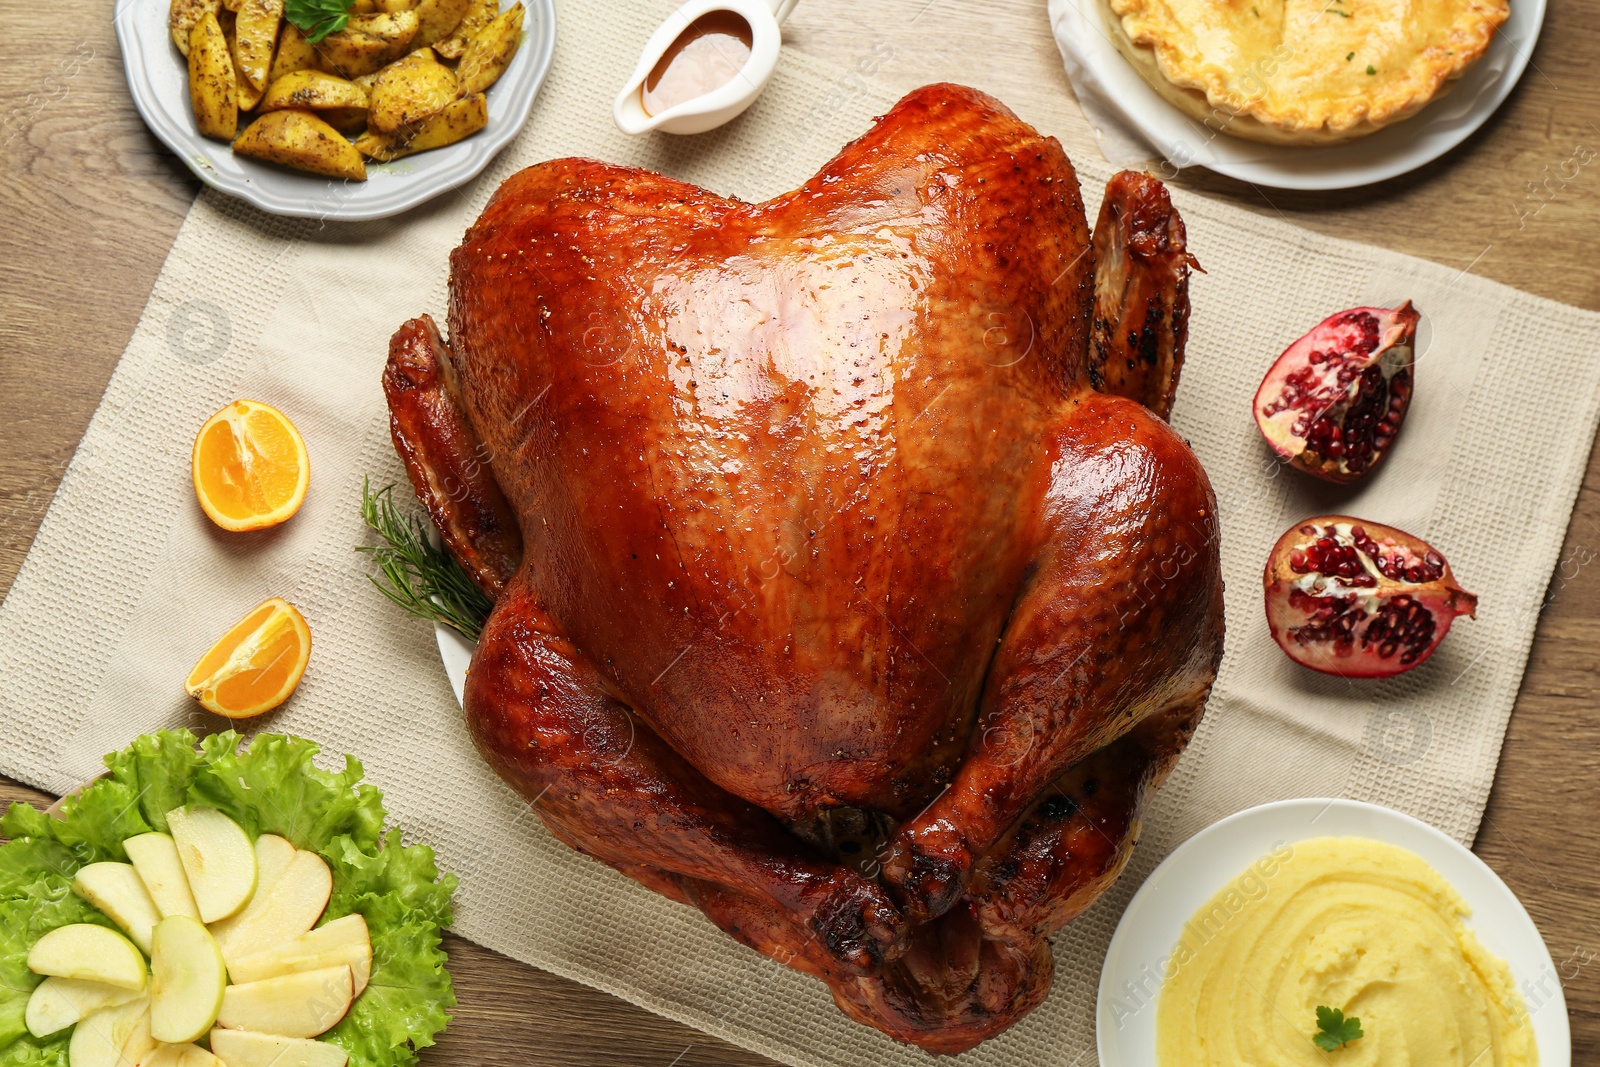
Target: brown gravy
(706, 56)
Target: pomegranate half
(1332, 404)
(1354, 598)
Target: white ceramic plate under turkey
(1081, 31)
(456, 653)
(1192, 875)
(158, 79)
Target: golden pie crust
(1303, 71)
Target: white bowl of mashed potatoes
(1234, 943)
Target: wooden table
(92, 202)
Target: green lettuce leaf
(96, 822)
(22, 820)
(159, 767)
(25, 860)
(406, 959)
(405, 874)
(30, 1051)
(272, 786)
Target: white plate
(456, 653)
(1082, 32)
(158, 80)
(1216, 855)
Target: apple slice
(304, 1004)
(186, 982)
(280, 912)
(185, 1055)
(343, 940)
(140, 1043)
(117, 890)
(155, 857)
(111, 1037)
(217, 858)
(245, 1048)
(273, 856)
(90, 952)
(57, 1003)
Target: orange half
(249, 466)
(256, 665)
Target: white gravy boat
(708, 110)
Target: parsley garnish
(1372, 69)
(317, 18)
(1334, 1031)
(1341, 14)
(1349, 57)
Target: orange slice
(249, 466)
(256, 665)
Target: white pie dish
(1083, 33)
(158, 80)
(1203, 865)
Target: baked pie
(1303, 71)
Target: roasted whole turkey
(848, 584)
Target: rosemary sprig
(420, 576)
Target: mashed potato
(1352, 924)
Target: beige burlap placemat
(127, 582)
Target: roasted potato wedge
(438, 19)
(294, 53)
(313, 90)
(347, 120)
(479, 14)
(459, 119)
(367, 44)
(409, 90)
(183, 16)
(351, 53)
(255, 35)
(212, 89)
(375, 146)
(398, 28)
(490, 52)
(249, 95)
(379, 80)
(300, 140)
